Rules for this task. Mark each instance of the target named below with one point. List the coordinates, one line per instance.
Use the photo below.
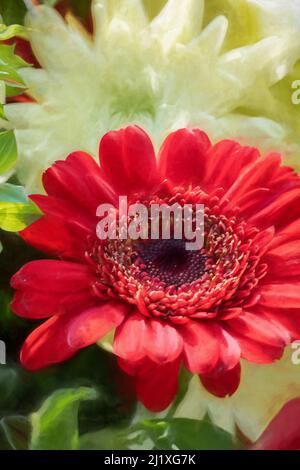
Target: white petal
(246, 63)
(212, 38)
(55, 45)
(278, 16)
(129, 13)
(179, 21)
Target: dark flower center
(164, 279)
(170, 262)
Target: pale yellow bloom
(212, 64)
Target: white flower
(164, 73)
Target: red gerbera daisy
(236, 298)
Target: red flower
(236, 298)
(283, 433)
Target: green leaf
(55, 425)
(8, 151)
(8, 57)
(81, 8)
(186, 434)
(8, 32)
(2, 92)
(184, 379)
(14, 217)
(13, 193)
(166, 434)
(9, 381)
(16, 430)
(9, 65)
(12, 11)
(108, 438)
(16, 210)
(2, 114)
(13, 82)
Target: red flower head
(237, 297)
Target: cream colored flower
(180, 68)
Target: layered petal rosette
(226, 66)
(235, 298)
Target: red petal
(76, 188)
(91, 325)
(250, 202)
(201, 346)
(226, 160)
(256, 352)
(78, 180)
(261, 341)
(49, 287)
(57, 237)
(286, 234)
(138, 337)
(283, 433)
(230, 352)
(263, 239)
(222, 384)
(258, 174)
(157, 385)
(60, 337)
(182, 157)
(279, 212)
(37, 304)
(264, 190)
(129, 338)
(287, 250)
(162, 341)
(280, 296)
(283, 262)
(128, 160)
(53, 275)
(66, 211)
(287, 319)
(257, 328)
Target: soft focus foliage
(16, 212)
(11, 82)
(8, 32)
(162, 434)
(12, 11)
(8, 151)
(54, 426)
